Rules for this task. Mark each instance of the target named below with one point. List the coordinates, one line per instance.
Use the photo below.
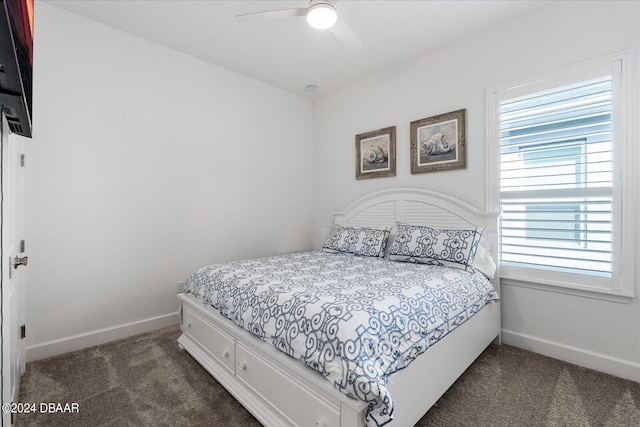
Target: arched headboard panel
(417, 206)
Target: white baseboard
(578, 356)
(101, 336)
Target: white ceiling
(289, 53)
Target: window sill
(562, 288)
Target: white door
(13, 276)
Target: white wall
(145, 164)
(591, 332)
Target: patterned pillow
(426, 245)
(358, 241)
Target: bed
(244, 321)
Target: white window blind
(556, 179)
(560, 170)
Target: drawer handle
(242, 366)
(189, 324)
(225, 352)
(320, 423)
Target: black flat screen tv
(16, 64)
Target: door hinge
(22, 160)
(22, 246)
(23, 331)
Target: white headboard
(416, 206)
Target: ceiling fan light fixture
(322, 16)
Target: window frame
(620, 287)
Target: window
(557, 175)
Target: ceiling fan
(321, 14)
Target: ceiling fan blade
(346, 35)
(271, 15)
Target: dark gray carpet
(147, 381)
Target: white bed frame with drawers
(280, 390)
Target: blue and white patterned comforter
(354, 319)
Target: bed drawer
(219, 344)
(277, 387)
